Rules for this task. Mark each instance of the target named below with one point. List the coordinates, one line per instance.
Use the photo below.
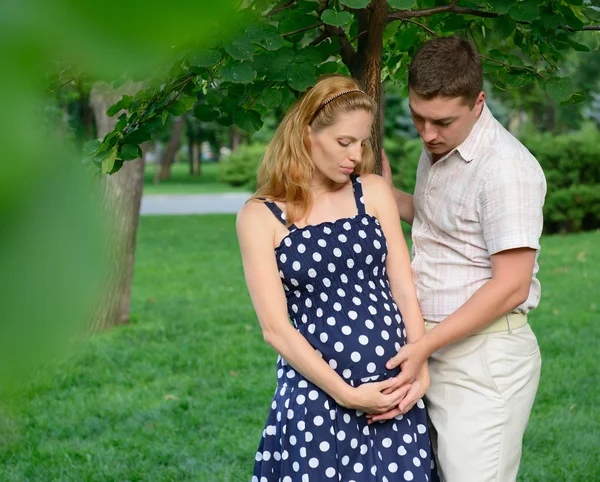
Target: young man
(477, 221)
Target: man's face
(443, 122)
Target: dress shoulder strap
(358, 193)
(278, 213)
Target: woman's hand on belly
(376, 397)
(415, 392)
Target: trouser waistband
(508, 323)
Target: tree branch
(319, 39)
(521, 67)
(452, 8)
(279, 9)
(427, 12)
(586, 27)
(423, 26)
(60, 86)
(351, 40)
(346, 50)
(303, 29)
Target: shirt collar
(475, 141)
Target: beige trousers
(481, 393)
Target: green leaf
(309, 55)
(90, 146)
(138, 135)
(570, 18)
(497, 54)
(238, 73)
(124, 103)
(518, 79)
(213, 97)
(205, 113)
(515, 60)
(402, 4)
(296, 22)
(501, 6)
(154, 123)
(204, 58)
(576, 98)
(560, 88)
(234, 90)
(328, 68)
(118, 164)
(580, 47)
(240, 49)
(525, 12)
(574, 2)
(337, 19)
(355, 3)
(225, 120)
(271, 97)
(248, 120)
(108, 161)
(274, 64)
(164, 116)
(267, 36)
(121, 123)
(128, 152)
(491, 67)
(301, 76)
(406, 38)
(503, 27)
(188, 101)
(593, 13)
(327, 46)
(454, 23)
(177, 108)
(551, 20)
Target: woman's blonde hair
(286, 169)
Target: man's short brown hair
(446, 67)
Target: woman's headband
(335, 97)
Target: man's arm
(507, 289)
(404, 201)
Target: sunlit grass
(182, 392)
(181, 182)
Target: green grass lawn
(183, 391)
(181, 182)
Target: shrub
(239, 169)
(404, 159)
(571, 163)
(572, 209)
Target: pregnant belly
(358, 350)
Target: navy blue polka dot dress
(339, 299)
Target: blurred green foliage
(53, 239)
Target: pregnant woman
(322, 247)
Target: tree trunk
(191, 142)
(121, 196)
(169, 155)
(87, 115)
(196, 159)
(550, 117)
(366, 65)
(235, 138)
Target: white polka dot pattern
(339, 299)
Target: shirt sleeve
(510, 206)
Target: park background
(129, 349)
